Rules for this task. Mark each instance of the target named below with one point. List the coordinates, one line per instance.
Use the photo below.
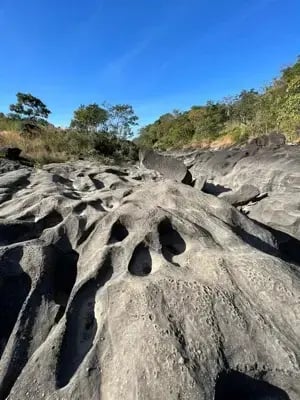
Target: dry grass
(35, 149)
(220, 143)
(199, 144)
(296, 141)
(223, 142)
(10, 138)
(57, 145)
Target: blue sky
(157, 55)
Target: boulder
(273, 140)
(241, 196)
(170, 167)
(11, 153)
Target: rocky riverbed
(124, 282)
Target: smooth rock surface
(272, 171)
(167, 166)
(116, 283)
(241, 196)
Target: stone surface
(243, 195)
(272, 171)
(165, 165)
(273, 140)
(116, 283)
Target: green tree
(209, 120)
(245, 106)
(251, 113)
(172, 129)
(90, 118)
(29, 107)
(289, 112)
(121, 121)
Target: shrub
(30, 128)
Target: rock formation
(118, 283)
(169, 167)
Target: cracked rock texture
(117, 283)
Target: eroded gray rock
(141, 288)
(275, 171)
(11, 153)
(170, 167)
(241, 196)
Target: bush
(43, 143)
(237, 131)
(8, 124)
(30, 128)
(111, 146)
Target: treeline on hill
(95, 131)
(235, 119)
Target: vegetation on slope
(103, 131)
(95, 132)
(235, 119)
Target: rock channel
(121, 283)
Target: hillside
(233, 120)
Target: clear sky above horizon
(157, 55)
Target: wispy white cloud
(115, 68)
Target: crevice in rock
(98, 184)
(64, 278)
(20, 231)
(12, 188)
(81, 325)
(116, 172)
(55, 283)
(80, 207)
(19, 351)
(14, 288)
(72, 195)
(289, 246)
(86, 234)
(233, 385)
(214, 189)
(255, 241)
(49, 221)
(96, 204)
(61, 180)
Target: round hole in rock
(118, 233)
(141, 261)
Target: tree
(251, 113)
(245, 106)
(91, 118)
(29, 107)
(122, 119)
(208, 121)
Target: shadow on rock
(234, 385)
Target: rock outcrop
(274, 172)
(165, 165)
(11, 153)
(119, 283)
